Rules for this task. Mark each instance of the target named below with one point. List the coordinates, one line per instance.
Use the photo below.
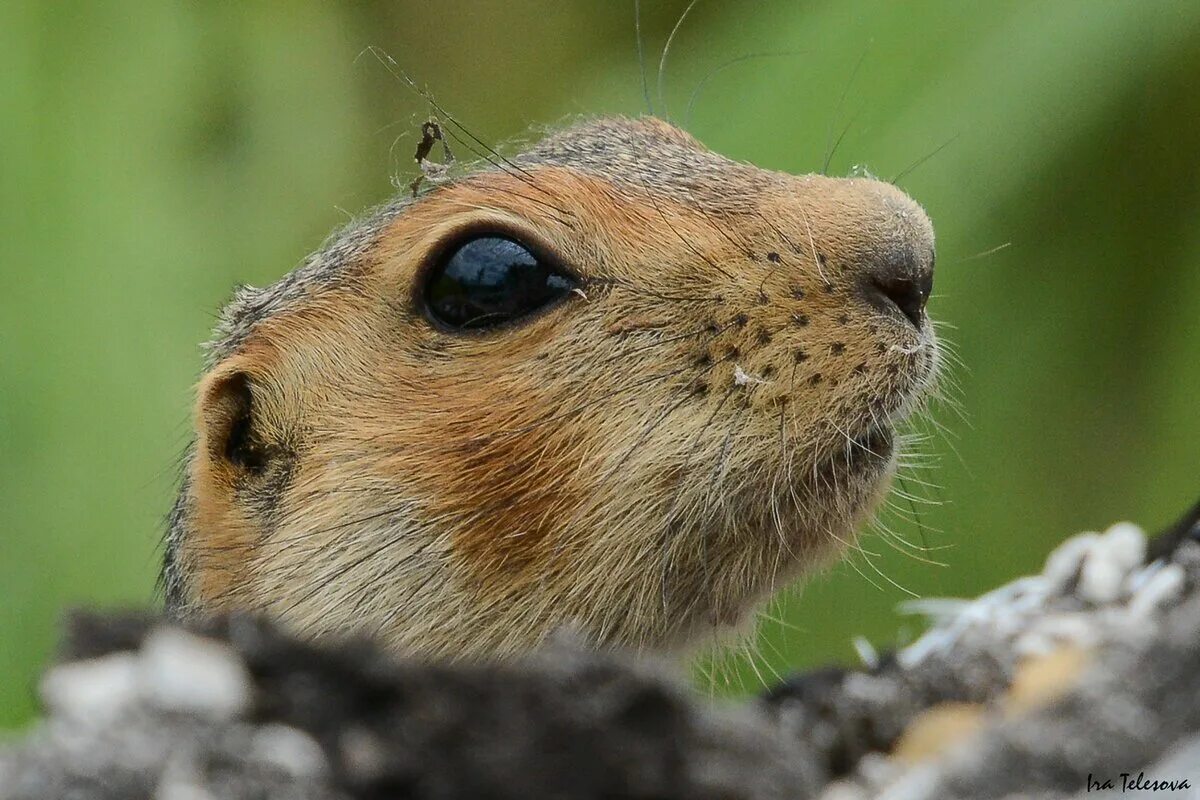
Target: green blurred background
(153, 155)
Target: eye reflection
(490, 280)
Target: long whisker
(830, 149)
(662, 62)
(637, 30)
(650, 428)
(522, 176)
(697, 442)
(781, 622)
(699, 254)
(837, 143)
(748, 658)
(712, 73)
(986, 253)
(904, 172)
(850, 561)
(742, 246)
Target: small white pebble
(933, 641)
(289, 750)
(937, 609)
(1110, 561)
(977, 614)
(93, 691)
(1063, 562)
(1027, 592)
(866, 652)
(1140, 577)
(1163, 587)
(1126, 543)
(183, 672)
(1101, 579)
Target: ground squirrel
(618, 383)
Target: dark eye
(490, 280)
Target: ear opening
(229, 425)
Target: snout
(875, 241)
(894, 273)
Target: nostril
(909, 293)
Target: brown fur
(644, 461)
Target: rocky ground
(1082, 680)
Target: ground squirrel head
(618, 383)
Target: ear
(229, 422)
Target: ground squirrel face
(619, 383)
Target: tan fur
(643, 462)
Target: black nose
(903, 284)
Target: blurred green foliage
(152, 155)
